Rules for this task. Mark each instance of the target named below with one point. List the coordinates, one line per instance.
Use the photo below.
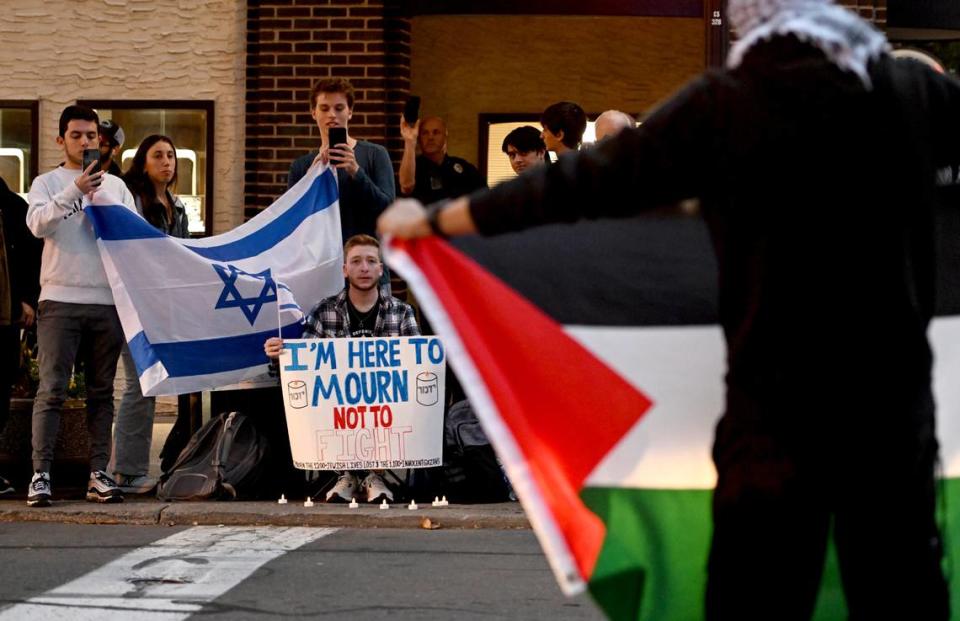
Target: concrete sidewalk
(152, 512)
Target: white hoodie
(71, 270)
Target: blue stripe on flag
(189, 358)
(143, 355)
(115, 223)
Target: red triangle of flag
(564, 408)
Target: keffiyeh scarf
(848, 41)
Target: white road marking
(169, 579)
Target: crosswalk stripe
(169, 579)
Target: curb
(503, 516)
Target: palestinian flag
(592, 356)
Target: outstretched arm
(408, 163)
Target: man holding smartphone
(76, 304)
(364, 170)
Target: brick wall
(293, 43)
(874, 10)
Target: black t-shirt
(452, 178)
(362, 323)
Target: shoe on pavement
(375, 489)
(135, 483)
(102, 488)
(5, 487)
(38, 495)
(345, 489)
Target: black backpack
(225, 459)
(470, 471)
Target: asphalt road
(77, 572)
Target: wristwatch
(433, 217)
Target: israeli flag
(196, 312)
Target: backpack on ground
(471, 472)
(225, 459)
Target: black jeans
(778, 494)
(9, 361)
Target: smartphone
(336, 135)
(89, 157)
(411, 110)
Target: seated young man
(361, 309)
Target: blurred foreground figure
(814, 157)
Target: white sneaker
(376, 489)
(345, 489)
(38, 494)
(135, 483)
(102, 488)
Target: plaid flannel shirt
(330, 318)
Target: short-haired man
(611, 123)
(76, 314)
(111, 140)
(524, 147)
(433, 175)
(361, 309)
(563, 125)
(364, 169)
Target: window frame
(33, 105)
(486, 119)
(205, 105)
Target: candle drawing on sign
(428, 388)
(297, 392)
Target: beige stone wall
(60, 50)
(465, 65)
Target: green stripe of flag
(654, 557)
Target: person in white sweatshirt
(76, 314)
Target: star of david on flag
(195, 312)
(231, 297)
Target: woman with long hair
(152, 178)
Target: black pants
(9, 361)
(776, 498)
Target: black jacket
(23, 251)
(820, 199)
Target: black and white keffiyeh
(847, 40)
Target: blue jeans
(133, 432)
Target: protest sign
(364, 403)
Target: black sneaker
(5, 487)
(39, 493)
(102, 488)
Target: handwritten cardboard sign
(364, 403)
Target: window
(494, 128)
(190, 125)
(19, 137)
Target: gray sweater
(363, 197)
